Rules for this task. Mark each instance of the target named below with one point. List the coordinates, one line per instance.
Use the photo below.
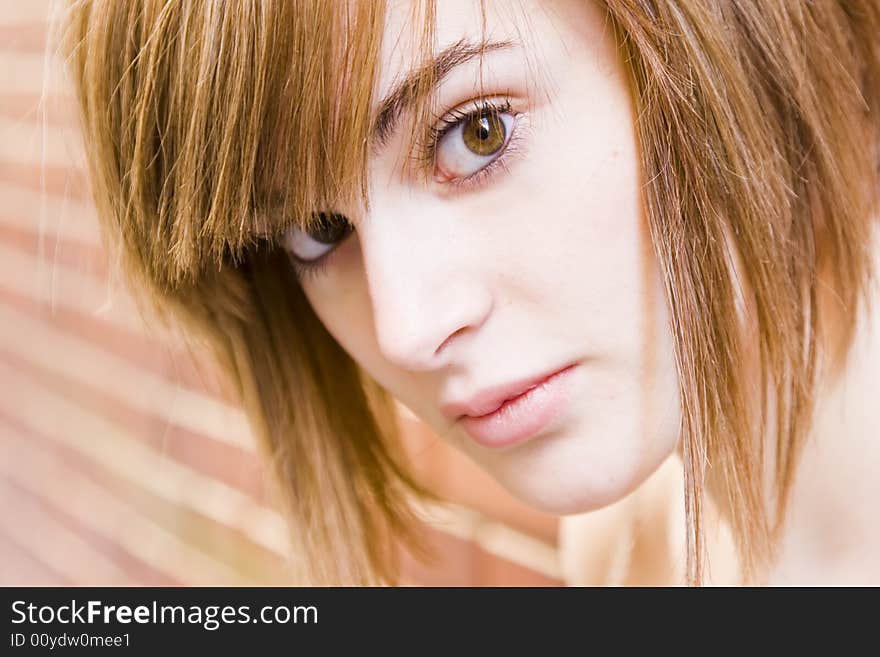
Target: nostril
(449, 339)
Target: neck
(831, 534)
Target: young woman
(576, 238)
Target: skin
(446, 289)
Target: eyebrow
(405, 93)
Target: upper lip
(489, 400)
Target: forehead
(408, 22)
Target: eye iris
(329, 227)
(484, 133)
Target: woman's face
(523, 259)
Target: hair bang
(249, 118)
(312, 145)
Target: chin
(565, 482)
(568, 498)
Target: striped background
(122, 461)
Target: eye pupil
(329, 227)
(484, 133)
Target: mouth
(512, 413)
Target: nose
(427, 291)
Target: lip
(511, 413)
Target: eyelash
(427, 151)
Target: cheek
(340, 299)
(577, 216)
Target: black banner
(144, 620)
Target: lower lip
(522, 417)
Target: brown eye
(484, 133)
(472, 142)
(328, 230)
